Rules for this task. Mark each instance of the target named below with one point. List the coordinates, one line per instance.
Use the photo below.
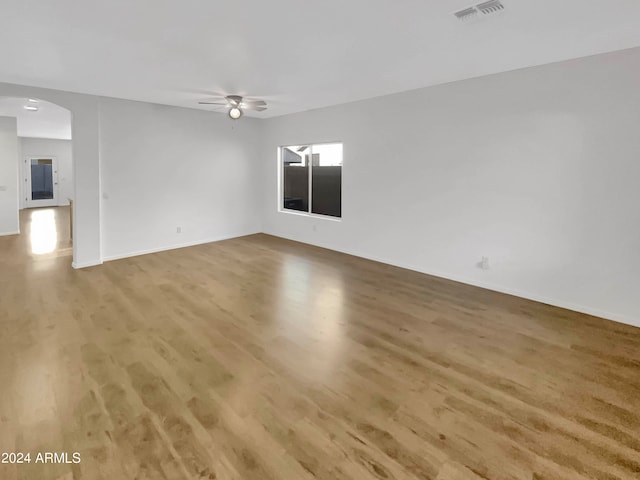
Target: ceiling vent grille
(492, 6)
(467, 13)
(486, 8)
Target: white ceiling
(295, 54)
(50, 121)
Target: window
(312, 178)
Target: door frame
(26, 168)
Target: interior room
(279, 240)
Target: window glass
(326, 179)
(312, 178)
(295, 178)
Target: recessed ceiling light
(32, 100)
(31, 108)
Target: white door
(41, 181)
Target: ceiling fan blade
(212, 103)
(254, 103)
(256, 109)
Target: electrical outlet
(484, 263)
(314, 228)
(178, 229)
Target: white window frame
(280, 203)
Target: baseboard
(594, 312)
(119, 256)
(17, 232)
(78, 265)
(616, 317)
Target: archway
(84, 111)
(45, 186)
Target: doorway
(44, 188)
(41, 181)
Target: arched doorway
(44, 187)
(85, 113)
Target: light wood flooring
(260, 358)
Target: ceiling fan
(237, 105)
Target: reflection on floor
(44, 233)
(48, 230)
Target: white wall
(9, 223)
(167, 167)
(44, 147)
(537, 169)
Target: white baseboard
(118, 256)
(616, 317)
(78, 265)
(17, 232)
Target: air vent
(467, 13)
(486, 8)
(492, 6)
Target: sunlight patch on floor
(44, 233)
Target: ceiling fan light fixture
(235, 113)
(236, 105)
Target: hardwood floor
(260, 358)
(46, 234)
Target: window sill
(310, 215)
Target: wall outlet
(314, 228)
(178, 229)
(484, 263)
